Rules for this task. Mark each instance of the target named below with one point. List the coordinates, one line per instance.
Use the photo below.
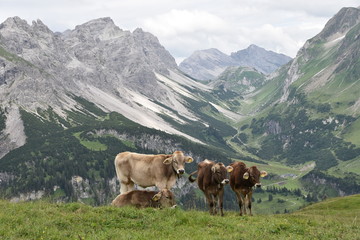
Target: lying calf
(143, 199)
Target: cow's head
(220, 173)
(253, 175)
(164, 198)
(178, 161)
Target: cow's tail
(191, 178)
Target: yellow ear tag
(263, 174)
(246, 175)
(156, 197)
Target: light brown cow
(149, 170)
(142, 199)
(242, 180)
(211, 180)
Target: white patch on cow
(225, 181)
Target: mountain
(309, 110)
(262, 60)
(207, 64)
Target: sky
(184, 26)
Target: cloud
(177, 22)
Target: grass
(91, 145)
(353, 133)
(336, 218)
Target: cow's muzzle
(258, 185)
(225, 181)
(180, 171)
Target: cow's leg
(126, 186)
(249, 196)
(210, 201)
(246, 203)
(216, 201)
(162, 185)
(240, 201)
(221, 198)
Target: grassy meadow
(337, 218)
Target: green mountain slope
(76, 163)
(310, 110)
(336, 218)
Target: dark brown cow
(242, 180)
(211, 180)
(147, 170)
(142, 199)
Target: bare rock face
(96, 53)
(97, 61)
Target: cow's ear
(167, 161)
(246, 175)
(189, 160)
(156, 197)
(213, 169)
(229, 168)
(263, 174)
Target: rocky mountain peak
(338, 25)
(14, 22)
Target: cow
(211, 180)
(242, 180)
(159, 170)
(142, 199)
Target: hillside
(336, 218)
(309, 112)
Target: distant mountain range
(210, 63)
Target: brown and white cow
(145, 170)
(142, 199)
(242, 180)
(211, 180)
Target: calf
(242, 180)
(211, 180)
(143, 199)
(147, 170)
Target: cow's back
(135, 198)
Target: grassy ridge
(336, 218)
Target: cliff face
(122, 71)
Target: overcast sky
(183, 26)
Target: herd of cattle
(162, 170)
